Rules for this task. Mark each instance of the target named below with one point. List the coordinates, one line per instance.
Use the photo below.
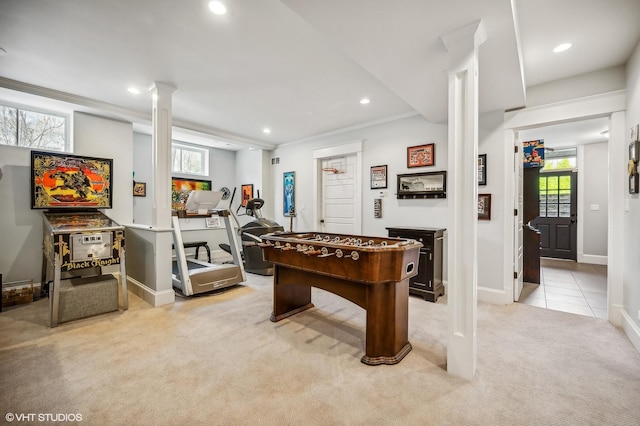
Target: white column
(162, 292)
(462, 188)
(618, 205)
(161, 148)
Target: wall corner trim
(154, 298)
(630, 329)
(491, 295)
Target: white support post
(161, 141)
(161, 166)
(462, 45)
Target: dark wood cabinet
(428, 282)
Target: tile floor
(567, 286)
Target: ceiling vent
(275, 161)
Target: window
(33, 129)
(555, 194)
(559, 159)
(189, 160)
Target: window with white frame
(29, 128)
(559, 159)
(190, 160)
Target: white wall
(102, 137)
(631, 275)
(593, 83)
(222, 169)
(383, 144)
(20, 227)
(594, 175)
(21, 235)
(252, 169)
(142, 162)
(491, 232)
(387, 144)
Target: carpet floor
(218, 360)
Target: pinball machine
(371, 272)
(78, 240)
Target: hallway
(567, 286)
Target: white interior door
(338, 195)
(518, 248)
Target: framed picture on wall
(635, 132)
(247, 193)
(634, 151)
(181, 188)
(289, 192)
(482, 169)
(484, 206)
(139, 189)
(633, 183)
(378, 177)
(421, 155)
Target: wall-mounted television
(65, 181)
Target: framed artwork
(181, 188)
(533, 152)
(484, 206)
(634, 151)
(633, 183)
(635, 132)
(139, 189)
(247, 193)
(289, 193)
(377, 208)
(378, 177)
(632, 165)
(482, 169)
(422, 185)
(421, 155)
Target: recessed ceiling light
(134, 90)
(217, 7)
(364, 101)
(562, 47)
(266, 130)
(605, 133)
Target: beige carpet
(218, 360)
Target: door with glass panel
(558, 214)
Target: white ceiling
(570, 134)
(299, 67)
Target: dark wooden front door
(530, 235)
(558, 214)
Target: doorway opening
(571, 219)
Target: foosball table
(371, 272)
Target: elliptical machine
(250, 236)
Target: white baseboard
(491, 295)
(485, 294)
(615, 315)
(631, 330)
(152, 297)
(593, 259)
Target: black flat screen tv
(62, 181)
